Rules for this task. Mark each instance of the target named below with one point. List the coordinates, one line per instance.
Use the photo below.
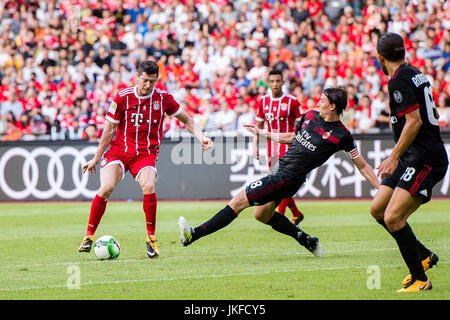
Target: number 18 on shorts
(418, 180)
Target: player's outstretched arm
(366, 170)
(285, 138)
(195, 130)
(105, 140)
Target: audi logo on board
(55, 173)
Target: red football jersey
(280, 115)
(140, 119)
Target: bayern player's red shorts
(129, 161)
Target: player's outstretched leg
(280, 223)
(186, 231)
(220, 220)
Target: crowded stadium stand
(61, 62)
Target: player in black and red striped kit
(318, 135)
(278, 111)
(417, 162)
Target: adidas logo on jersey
(424, 192)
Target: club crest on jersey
(326, 135)
(156, 105)
(284, 107)
(393, 119)
(398, 97)
(112, 108)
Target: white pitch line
(326, 252)
(202, 276)
(177, 258)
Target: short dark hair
(391, 46)
(147, 66)
(276, 72)
(338, 97)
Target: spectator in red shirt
(188, 76)
(192, 102)
(25, 124)
(315, 8)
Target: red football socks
(149, 206)
(290, 203)
(282, 206)
(293, 207)
(98, 207)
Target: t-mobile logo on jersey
(269, 116)
(137, 119)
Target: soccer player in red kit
(279, 111)
(134, 131)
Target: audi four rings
(31, 177)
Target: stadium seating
(61, 62)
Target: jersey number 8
(256, 184)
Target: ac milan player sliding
(279, 111)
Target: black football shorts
(273, 187)
(416, 178)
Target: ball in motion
(106, 248)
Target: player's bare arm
(260, 125)
(366, 170)
(409, 133)
(195, 130)
(285, 138)
(105, 140)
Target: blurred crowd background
(61, 62)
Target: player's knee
(105, 191)
(259, 216)
(393, 222)
(148, 188)
(239, 202)
(376, 212)
(263, 216)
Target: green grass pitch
(246, 260)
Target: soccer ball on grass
(106, 248)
